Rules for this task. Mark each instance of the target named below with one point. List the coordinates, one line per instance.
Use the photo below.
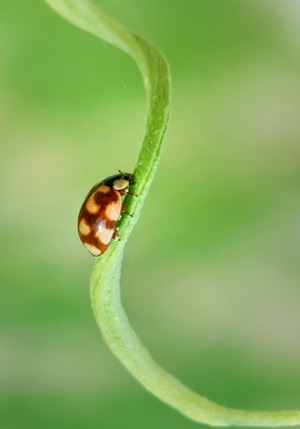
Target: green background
(211, 277)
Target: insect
(101, 211)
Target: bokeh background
(211, 278)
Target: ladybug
(101, 211)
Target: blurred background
(211, 278)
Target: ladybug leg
(131, 194)
(124, 211)
(115, 236)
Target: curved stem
(105, 279)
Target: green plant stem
(105, 279)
